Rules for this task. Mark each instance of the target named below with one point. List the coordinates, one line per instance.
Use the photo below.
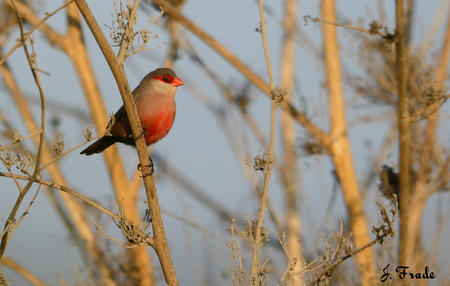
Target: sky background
(197, 144)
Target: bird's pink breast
(157, 125)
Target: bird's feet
(143, 134)
(151, 166)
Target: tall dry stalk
(403, 124)
(267, 169)
(290, 166)
(160, 241)
(341, 151)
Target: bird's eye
(166, 79)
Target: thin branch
(124, 44)
(375, 28)
(342, 259)
(381, 232)
(33, 67)
(62, 155)
(27, 34)
(160, 245)
(34, 280)
(19, 140)
(8, 167)
(65, 189)
(268, 171)
(76, 211)
(300, 117)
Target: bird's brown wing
(121, 129)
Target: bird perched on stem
(155, 104)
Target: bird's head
(164, 80)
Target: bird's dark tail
(99, 146)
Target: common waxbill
(155, 104)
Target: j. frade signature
(404, 272)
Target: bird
(155, 103)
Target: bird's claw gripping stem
(143, 133)
(151, 166)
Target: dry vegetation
(397, 81)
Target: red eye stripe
(165, 78)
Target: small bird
(155, 104)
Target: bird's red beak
(177, 82)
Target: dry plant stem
(347, 26)
(20, 140)
(77, 51)
(438, 18)
(10, 222)
(160, 246)
(403, 118)
(62, 155)
(19, 187)
(195, 225)
(8, 262)
(301, 118)
(173, 28)
(27, 210)
(342, 259)
(290, 167)
(77, 195)
(340, 146)
(380, 157)
(196, 192)
(73, 45)
(201, 196)
(249, 120)
(27, 34)
(126, 195)
(268, 171)
(64, 216)
(409, 22)
(420, 195)
(74, 208)
(124, 45)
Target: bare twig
(74, 208)
(8, 262)
(300, 117)
(381, 232)
(268, 170)
(27, 34)
(66, 190)
(33, 67)
(375, 27)
(19, 140)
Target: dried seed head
(24, 163)
(389, 182)
(278, 94)
(58, 144)
(260, 162)
(87, 133)
(312, 147)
